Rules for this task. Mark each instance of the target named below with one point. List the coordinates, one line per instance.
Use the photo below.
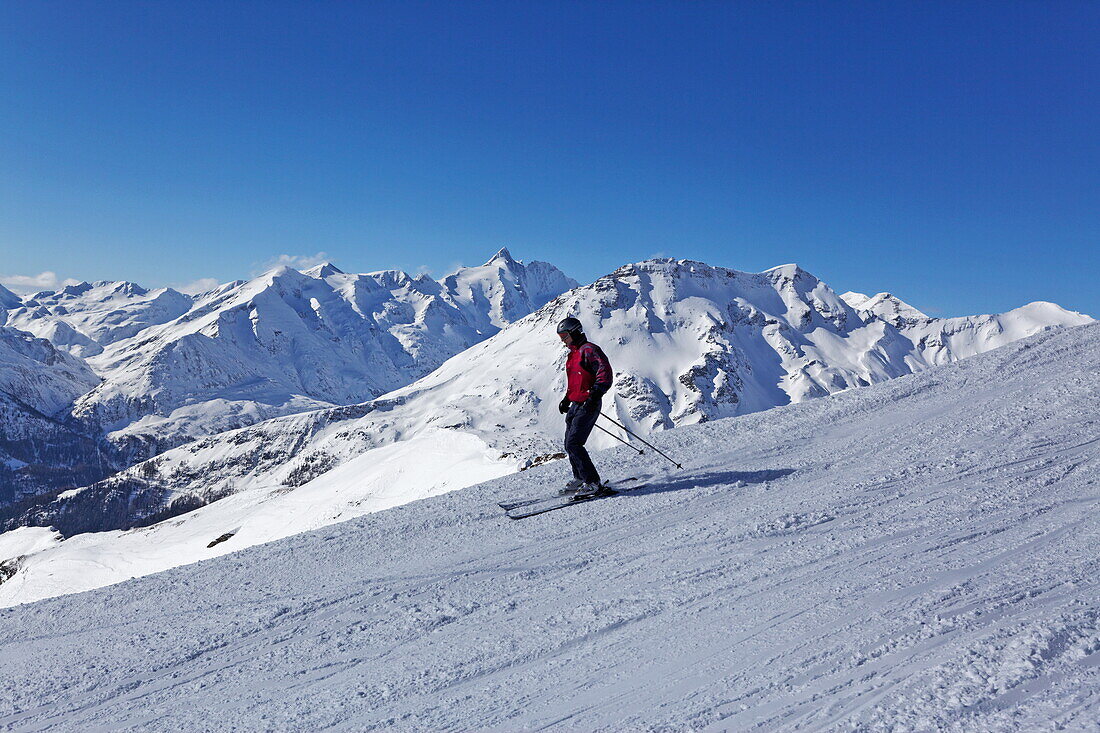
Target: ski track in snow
(915, 555)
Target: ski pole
(643, 440)
(616, 437)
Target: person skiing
(589, 377)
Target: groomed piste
(920, 554)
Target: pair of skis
(523, 508)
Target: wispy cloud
(201, 285)
(27, 284)
(298, 262)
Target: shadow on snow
(678, 482)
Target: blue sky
(947, 152)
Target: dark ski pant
(579, 422)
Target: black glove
(563, 406)
(593, 402)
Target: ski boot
(571, 487)
(587, 491)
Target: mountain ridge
(176, 367)
(690, 343)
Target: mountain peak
(78, 289)
(891, 308)
(791, 269)
(123, 287)
(8, 299)
(281, 272)
(854, 299)
(323, 270)
(503, 256)
(391, 279)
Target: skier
(589, 374)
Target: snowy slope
(941, 340)
(431, 464)
(918, 555)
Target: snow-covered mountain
(37, 450)
(503, 290)
(39, 375)
(289, 341)
(917, 555)
(886, 307)
(690, 343)
(176, 367)
(84, 318)
(943, 340)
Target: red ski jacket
(589, 372)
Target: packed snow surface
(921, 554)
